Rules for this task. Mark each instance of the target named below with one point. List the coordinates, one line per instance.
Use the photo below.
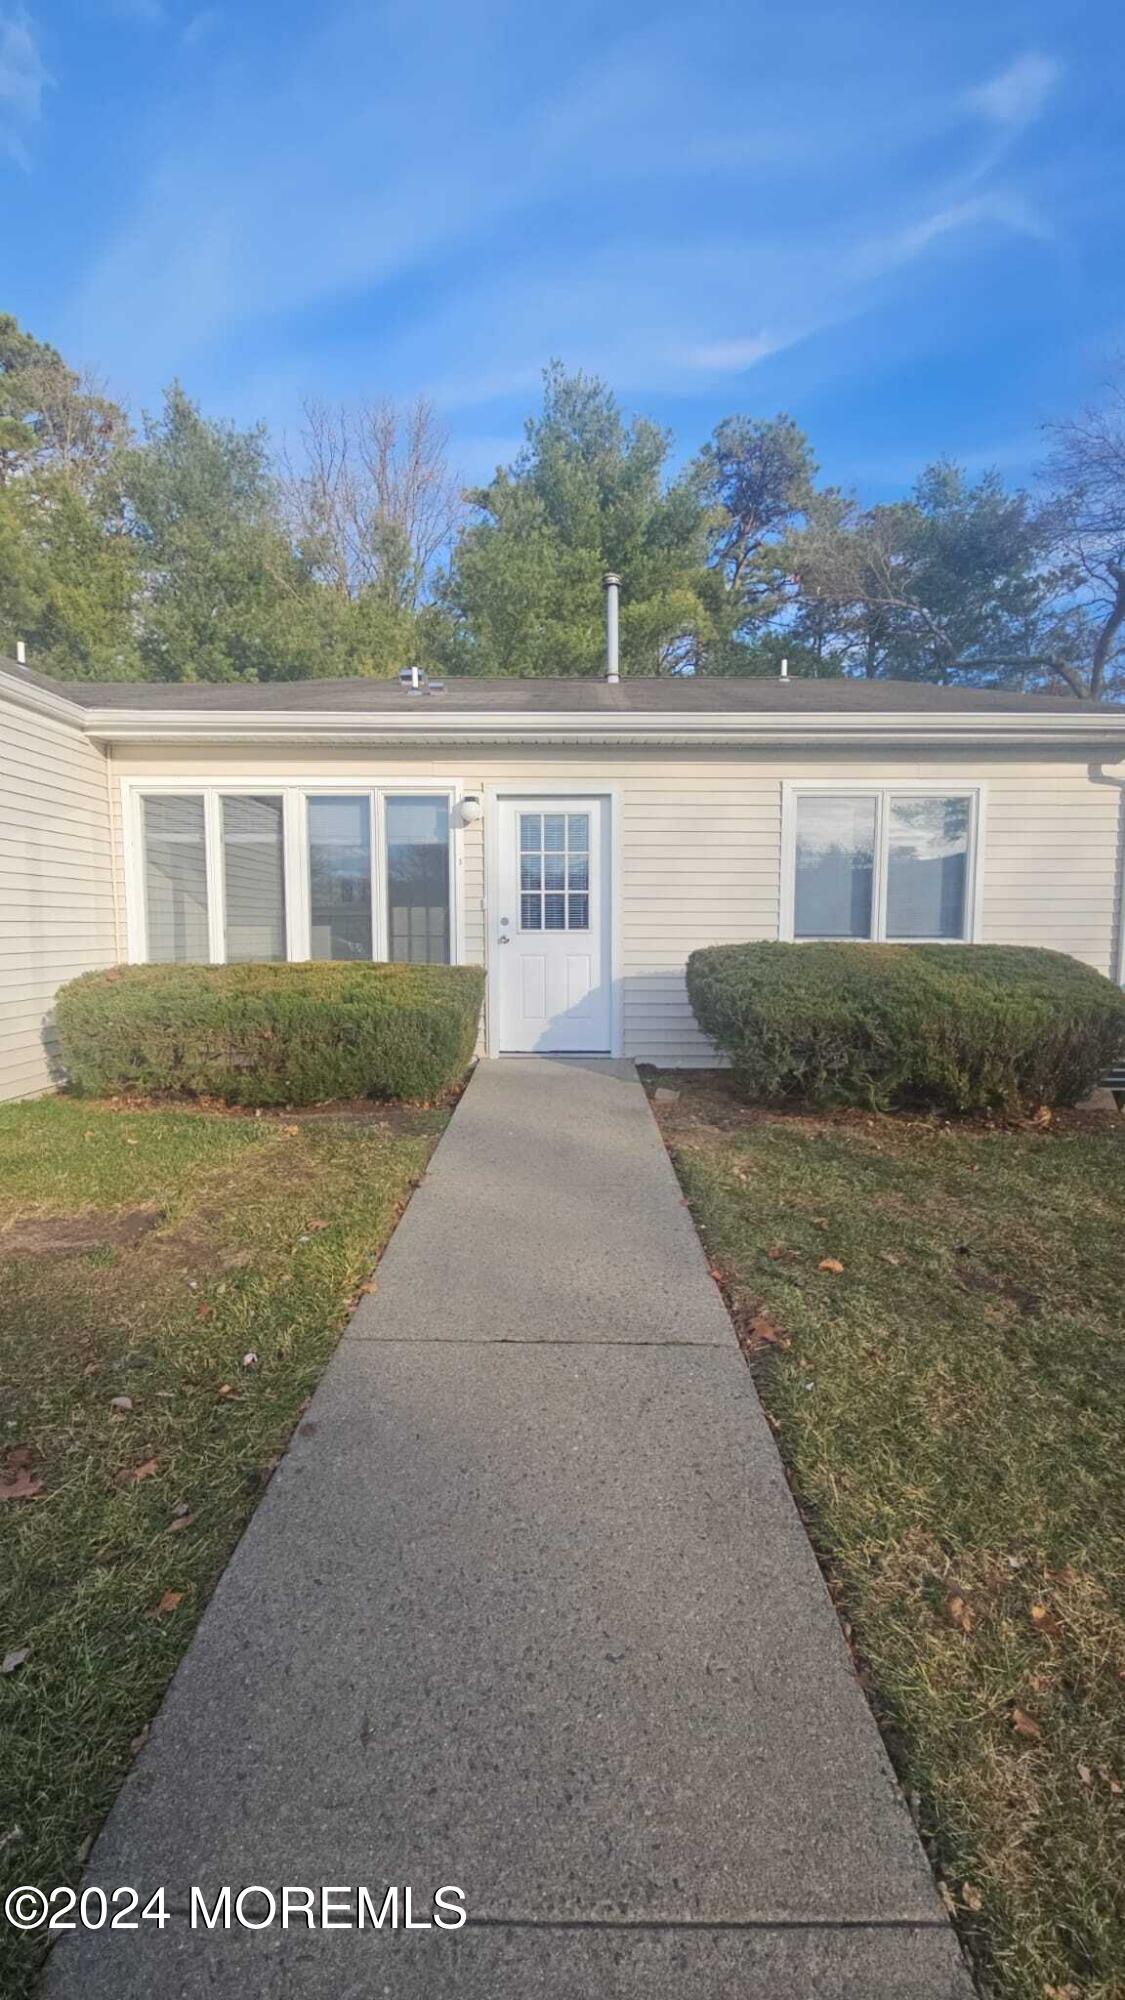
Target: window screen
(254, 878)
(175, 871)
(340, 878)
(418, 880)
(835, 866)
(927, 866)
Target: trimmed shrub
(271, 1034)
(961, 1028)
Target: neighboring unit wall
(57, 890)
(700, 845)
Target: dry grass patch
(148, 1384)
(934, 1316)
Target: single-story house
(578, 837)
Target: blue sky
(901, 225)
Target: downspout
(1098, 775)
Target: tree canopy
(186, 548)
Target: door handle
(504, 938)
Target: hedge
(270, 1034)
(961, 1028)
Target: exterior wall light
(471, 810)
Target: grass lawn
(951, 1408)
(199, 1266)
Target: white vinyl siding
(57, 915)
(700, 844)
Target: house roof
(704, 712)
(634, 695)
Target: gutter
(715, 731)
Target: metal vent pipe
(612, 585)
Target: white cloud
(1017, 94)
(23, 79)
(734, 355)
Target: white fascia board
(714, 731)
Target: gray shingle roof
(633, 695)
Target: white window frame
(295, 794)
(882, 791)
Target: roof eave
(723, 729)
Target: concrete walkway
(527, 1608)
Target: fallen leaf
(763, 1328)
(131, 1142)
(291, 1131)
(203, 1310)
(1024, 1724)
(14, 1659)
(314, 1228)
(888, 1257)
(250, 1359)
(830, 1264)
(948, 1898)
(1066, 1576)
(1085, 1773)
(19, 1457)
(971, 1897)
(133, 1474)
(170, 1601)
(227, 1390)
(20, 1487)
(121, 1403)
(958, 1612)
(368, 1285)
(1044, 1621)
(180, 1521)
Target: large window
(418, 880)
(887, 862)
(229, 874)
(340, 907)
(254, 878)
(175, 880)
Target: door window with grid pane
(554, 871)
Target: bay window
(231, 874)
(894, 862)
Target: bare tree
(1087, 473)
(373, 502)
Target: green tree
(225, 596)
(587, 493)
(68, 574)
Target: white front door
(550, 927)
